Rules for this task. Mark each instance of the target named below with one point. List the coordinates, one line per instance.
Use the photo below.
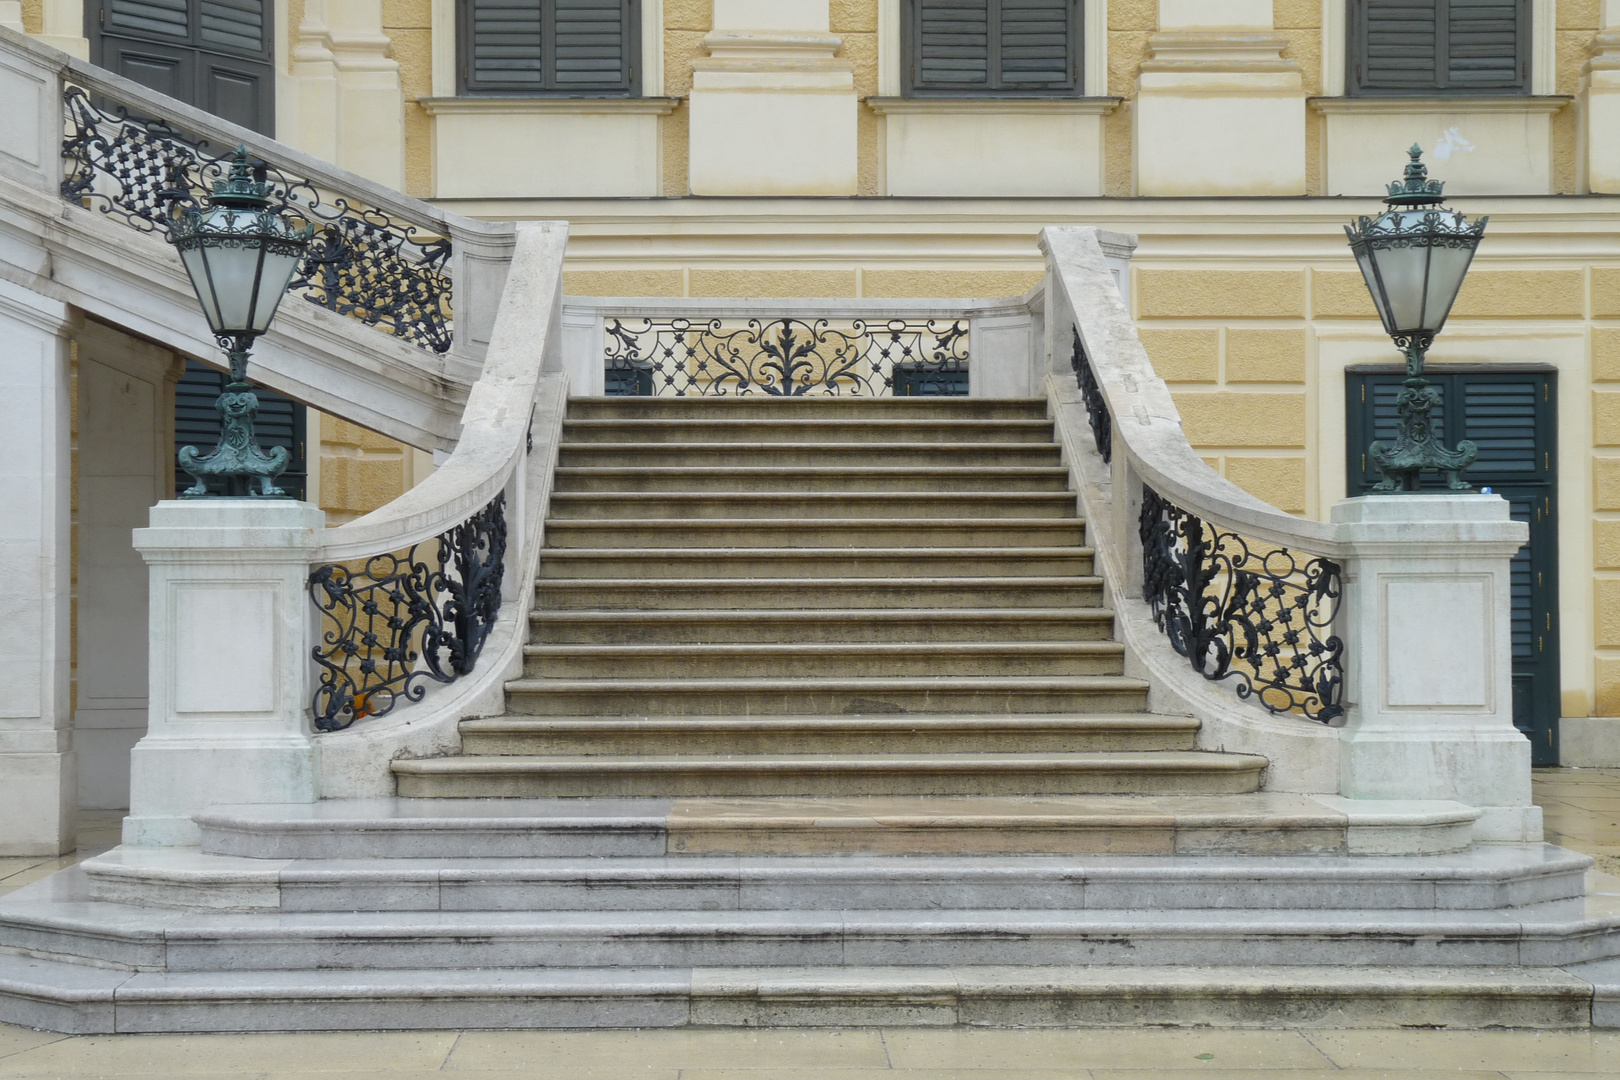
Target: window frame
(1355, 59)
(911, 60)
(632, 53)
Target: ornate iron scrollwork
(399, 621)
(787, 357)
(1263, 619)
(1102, 423)
(361, 264)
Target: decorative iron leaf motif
(362, 263)
(1102, 423)
(1264, 619)
(786, 357)
(400, 621)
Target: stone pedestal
(1600, 107)
(1218, 110)
(37, 767)
(1429, 658)
(229, 639)
(773, 109)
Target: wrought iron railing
(1102, 424)
(396, 622)
(789, 357)
(1262, 618)
(362, 263)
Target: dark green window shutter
(993, 47)
(232, 24)
(160, 18)
(549, 46)
(1439, 46)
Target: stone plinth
(1600, 106)
(1430, 671)
(229, 630)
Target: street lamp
(240, 255)
(1414, 256)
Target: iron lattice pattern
(787, 357)
(361, 264)
(395, 622)
(1102, 424)
(1264, 619)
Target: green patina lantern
(240, 255)
(1414, 256)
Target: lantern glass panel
(1447, 266)
(196, 264)
(273, 279)
(233, 269)
(1364, 258)
(1402, 271)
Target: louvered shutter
(160, 18)
(1428, 46)
(969, 47)
(280, 422)
(231, 25)
(548, 46)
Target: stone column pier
(1427, 610)
(773, 106)
(229, 661)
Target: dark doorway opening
(1511, 414)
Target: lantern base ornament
(237, 466)
(1415, 449)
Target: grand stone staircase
(821, 722)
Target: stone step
(798, 660)
(825, 734)
(700, 775)
(706, 453)
(808, 429)
(1551, 934)
(601, 594)
(810, 478)
(922, 625)
(771, 408)
(823, 533)
(843, 696)
(727, 562)
(84, 1000)
(1251, 824)
(1492, 877)
(638, 505)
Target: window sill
(517, 106)
(994, 106)
(1439, 102)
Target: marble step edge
(941, 684)
(1156, 723)
(1554, 933)
(406, 828)
(188, 879)
(651, 555)
(888, 615)
(61, 997)
(945, 650)
(1148, 762)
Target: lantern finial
(1417, 189)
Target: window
(1439, 46)
(214, 54)
(989, 48)
(533, 47)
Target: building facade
(914, 148)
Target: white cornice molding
(999, 106)
(1406, 106)
(518, 106)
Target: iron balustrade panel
(1262, 618)
(361, 263)
(786, 357)
(1102, 422)
(396, 622)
